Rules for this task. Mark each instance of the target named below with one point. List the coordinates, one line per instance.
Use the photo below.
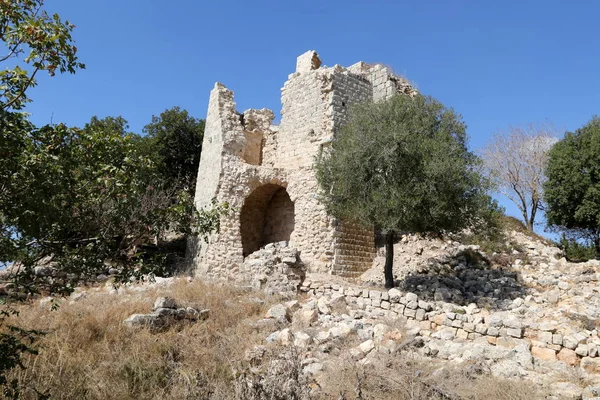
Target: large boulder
(280, 313)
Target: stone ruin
(265, 173)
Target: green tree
(174, 140)
(72, 192)
(572, 188)
(80, 198)
(402, 165)
(34, 41)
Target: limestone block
(305, 318)
(462, 334)
(493, 331)
(164, 302)
(285, 337)
(367, 346)
(568, 356)
(411, 297)
(513, 332)
(425, 305)
(543, 353)
(413, 305)
(582, 350)
(302, 339)
(438, 319)
(570, 342)
(323, 306)
(374, 294)
(545, 337)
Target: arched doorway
(267, 216)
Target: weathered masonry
(265, 173)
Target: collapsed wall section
(266, 174)
(267, 216)
(383, 81)
(230, 171)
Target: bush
(577, 251)
(573, 185)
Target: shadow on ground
(466, 278)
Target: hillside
(462, 324)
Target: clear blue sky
(496, 63)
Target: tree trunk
(389, 259)
(534, 208)
(597, 244)
(529, 225)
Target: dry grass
(511, 223)
(89, 354)
(405, 377)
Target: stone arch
(267, 216)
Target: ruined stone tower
(265, 172)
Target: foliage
(572, 190)
(489, 230)
(85, 196)
(515, 163)
(577, 250)
(73, 200)
(44, 41)
(33, 41)
(402, 165)
(14, 345)
(174, 140)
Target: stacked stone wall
(354, 249)
(253, 150)
(225, 253)
(348, 90)
(383, 81)
(314, 230)
(448, 322)
(302, 119)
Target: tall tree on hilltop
(515, 163)
(572, 189)
(175, 138)
(402, 165)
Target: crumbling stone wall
(265, 172)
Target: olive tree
(402, 165)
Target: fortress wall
(246, 160)
(302, 119)
(354, 245)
